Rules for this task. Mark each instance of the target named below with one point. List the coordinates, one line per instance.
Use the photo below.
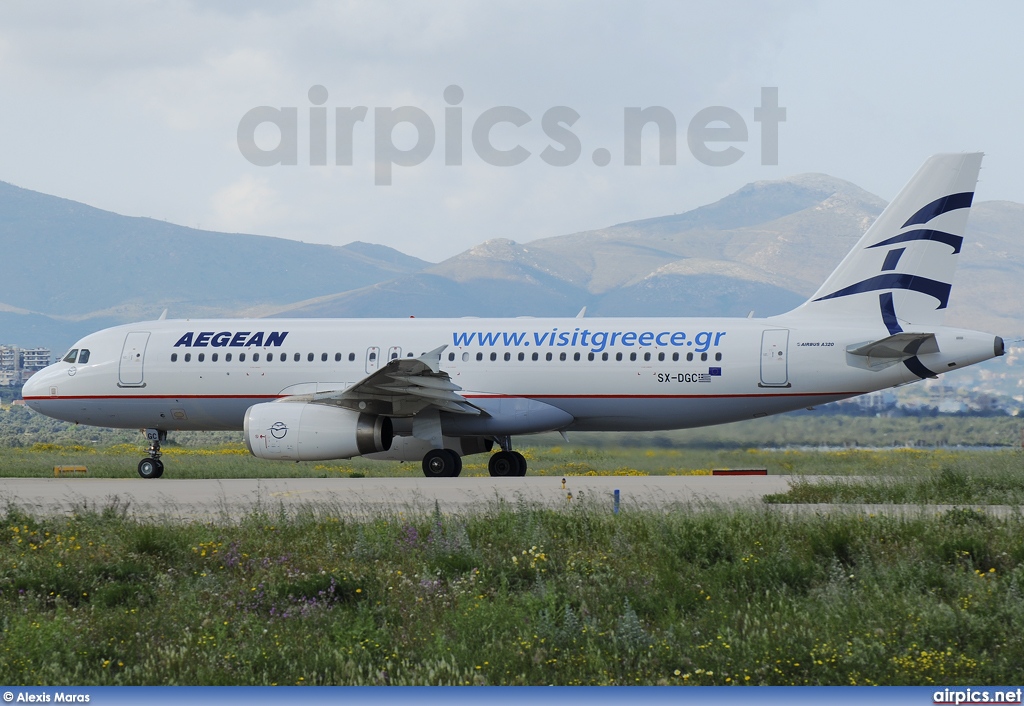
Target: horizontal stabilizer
(891, 350)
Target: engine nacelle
(409, 448)
(301, 431)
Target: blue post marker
(616, 511)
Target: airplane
(436, 390)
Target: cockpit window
(83, 356)
(72, 356)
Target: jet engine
(302, 431)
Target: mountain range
(68, 268)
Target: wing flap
(403, 388)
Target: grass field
(513, 596)
(523, 595)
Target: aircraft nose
(37, 385)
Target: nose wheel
(153, 467)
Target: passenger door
(774, 366)
(133, 356)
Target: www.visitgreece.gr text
(596, 341)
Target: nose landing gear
(153, 467)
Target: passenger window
(213, 358)
(494, 356)
(703, 356)
(351, 357)
(590, 356)
(201, 357)
(451, 357)
(718, 356)
(188, 357)
(536, 356)
(618, 356)
(255, 357)
(522, 356)
(174, 357)
(241, 357)
(71, 356)
(465, 357)
(576, 356)
(309, 358)
(479, 356)
(83, 357)
(323, 357)
(508, 357)
(547, 357)
(647, 356)
(675, 356)
(284, 357)
(661, 356)
(298, 357)
(632, 356)
(337, 357)
(689, 356)
(373, 356)
(227, 357)
(604, 356)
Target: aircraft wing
(402, 388)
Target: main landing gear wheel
(442, 463)
(507, 463)
(151, 468)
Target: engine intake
(294, 431)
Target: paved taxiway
(232, 498)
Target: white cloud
(248, 205)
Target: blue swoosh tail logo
(940, 206)
(931, 287)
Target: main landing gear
(506, 462)
(442, 463)
(153, 467)
(445, 463)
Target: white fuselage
(529, 375)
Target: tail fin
(901, 270)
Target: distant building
(18, 364)
(35, 358)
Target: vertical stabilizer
(901, 271)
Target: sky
(141, 108)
